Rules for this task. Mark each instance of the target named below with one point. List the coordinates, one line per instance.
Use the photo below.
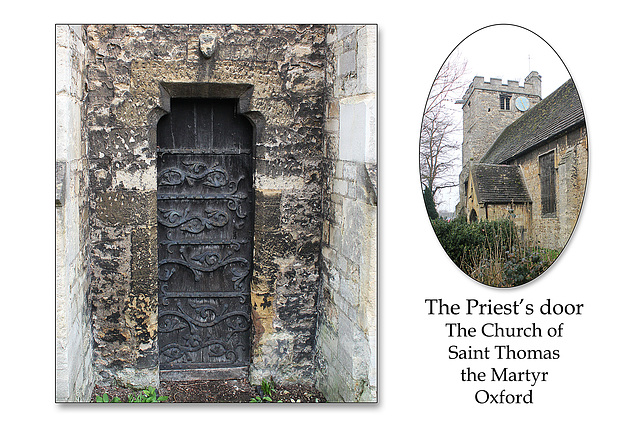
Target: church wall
(347, 332)
(126, 65)
(519, 213)
(472, 203)
(571, 156)
(74, 367)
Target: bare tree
(438, 149)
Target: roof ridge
(553, 115)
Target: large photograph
(216, 213)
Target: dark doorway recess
(205, 240)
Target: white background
(596, 379)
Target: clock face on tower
(522, 103)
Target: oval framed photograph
(503, 155)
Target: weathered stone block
(347, 62)
(267, 210)
(122, 208)
(61, 183)
(367, 59)
(352, 132)
(144, 255)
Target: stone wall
(346, 338)
(484, 120)
(74, 369)
(519, 213)
(571, 156)
(309, 91)
(278, 72)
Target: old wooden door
(205, 238)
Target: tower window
(505, 101)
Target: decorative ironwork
(215, 176)
(205, 332)
(205, 238)
(205, 318)
(207, 261)
(192, 223)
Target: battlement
(532, 85)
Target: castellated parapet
(532, 85)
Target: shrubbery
(491, 251)
(463, 241)
(524, 266)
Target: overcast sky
(510, 53)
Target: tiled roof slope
(499, 183)
(553, 115)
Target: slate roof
(555, 114)
(499, 183)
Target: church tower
(487, 109)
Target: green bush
(491, 252)
(463, 241)
(523, 267)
